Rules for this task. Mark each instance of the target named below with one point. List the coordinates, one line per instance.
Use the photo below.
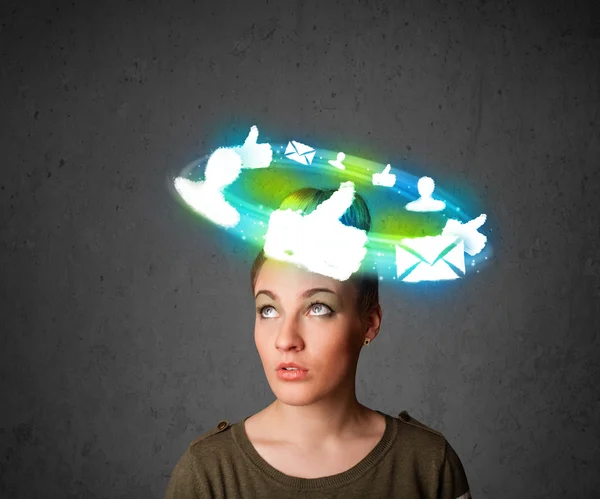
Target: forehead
(287, 278)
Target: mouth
(292, 374)
(290, 366)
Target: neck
(319, 426)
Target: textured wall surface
(126, 327)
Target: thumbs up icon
(468, 232)
(384, 178)
(254, 155)
(319, 242)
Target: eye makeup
(260, 309)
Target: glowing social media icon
(318, 241)
(425, 186)
(206, 197)
(300, 153)
(254, 155)
(384, 178)
(473, 239)
(338, 162)
(430, 258)
(222, 169)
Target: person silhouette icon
(206, 197)
(338, 161)
(425, 186)
(222, 169)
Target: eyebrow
(306, 294)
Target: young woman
(316, 440)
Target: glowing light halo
(382, 245)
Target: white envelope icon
(299, 152)
(431, 258)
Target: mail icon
(431, 258)
(299, 152)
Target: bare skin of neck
(319, 431)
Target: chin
(295, 393)
(296, 400)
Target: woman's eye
(325, 309)
(261, 310)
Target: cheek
(266, 351)
(259, 342)
(333, 353)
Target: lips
(283, 365)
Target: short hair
(357, 215)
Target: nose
(289, 335)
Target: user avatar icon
(206, 197)
(222, 169)
(426, 202)
(338, 162)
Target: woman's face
(319, 331)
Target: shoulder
(420, 440)
(196, 468)
(424, 430)
(212, 436)
(448, 466)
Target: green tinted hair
(357, 215)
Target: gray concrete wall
(117, 333)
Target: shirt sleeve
(183, 481)
(453, 480)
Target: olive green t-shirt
(411, 461)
